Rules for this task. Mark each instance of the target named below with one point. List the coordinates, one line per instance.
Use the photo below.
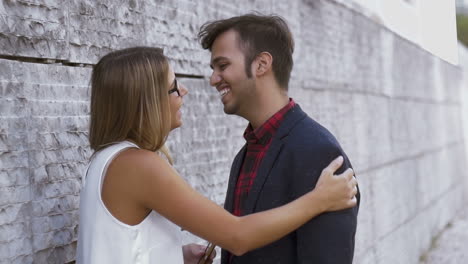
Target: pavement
(451, 245)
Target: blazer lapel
(290, 120)
(235, 171)
(262, 175)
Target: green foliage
(462, 28)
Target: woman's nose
(183, 90)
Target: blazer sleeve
(329, 237)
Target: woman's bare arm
(152, 183)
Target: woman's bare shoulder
(139, 163)
(135, 158)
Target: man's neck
(266, 107)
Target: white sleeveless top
(104, 239)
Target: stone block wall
(395, 108)
(43, 129)
(463, 61)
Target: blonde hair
(129, 99)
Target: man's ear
(263, 63)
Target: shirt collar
(265, 132)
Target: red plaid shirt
(258, 142)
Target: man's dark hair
(257, 33)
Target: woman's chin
(176, 125)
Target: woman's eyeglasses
(175, 89)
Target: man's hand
(193, 252)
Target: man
(251, 58)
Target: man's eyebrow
(216, 61)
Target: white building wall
(427, 23)
(463, 51)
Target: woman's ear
(263, 63)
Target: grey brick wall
(395, 108)
(42, 154)
(463, 61)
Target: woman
(134, 203)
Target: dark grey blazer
(300, 150)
